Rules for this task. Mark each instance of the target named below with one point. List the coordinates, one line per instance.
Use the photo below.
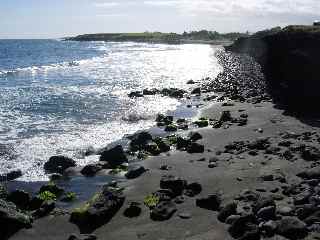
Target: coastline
(254, 160)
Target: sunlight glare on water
(71, 103)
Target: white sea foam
(66, 108)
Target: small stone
(195, 148)
(135, 171)
(212, 165)
(228, 210)
(163, 211)
(231, 219)
(285, 211)
(195, 136)
(267, 213)
(193, 189)
(292, 228)
(82, 237)
(212, 202)
(184, 215)
(133, 210)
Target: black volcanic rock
(290, 60)
(114, 156)
(57, 164)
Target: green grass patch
(47, 196)
(151, 201)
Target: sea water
(63, 97)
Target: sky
(61, 18)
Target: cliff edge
(290, 59)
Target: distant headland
(202, 36)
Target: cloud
(106, 4)
(236, 7)
(112, 15)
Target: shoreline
(250, 156)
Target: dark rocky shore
(290, 61)
(243, 169)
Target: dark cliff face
(290, 59)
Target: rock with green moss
(69, 197)
(163, 144)
(172, 139)
(99, 210)
(12, 219)
(51, 188)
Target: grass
(47, 196)
(151, 201)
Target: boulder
(173, 92)
(163, 146)
(263, 201)
(57, 164)
(196, 91)
(225, 116)
(11, 219)
(175, 184)
(46, 208)
(164, 195)
(211, 202)
(182, 143)
(226, 211)
(135, 171)
(171, 128)
(91, 170)
(152, 148)
(114, 156)
(193, 189)
(133, 210)
(267, 213)
(99, 210)
(20, 198)
(195, 148)
(135, 94)
(163, 211)
(10, 175)
(191, 82)
(292, 228)
(152, 91)
(195, 136)
(242, 225)
(139, 140)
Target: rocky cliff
(290, 59)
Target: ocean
(64, 97)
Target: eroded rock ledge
(290, 61)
